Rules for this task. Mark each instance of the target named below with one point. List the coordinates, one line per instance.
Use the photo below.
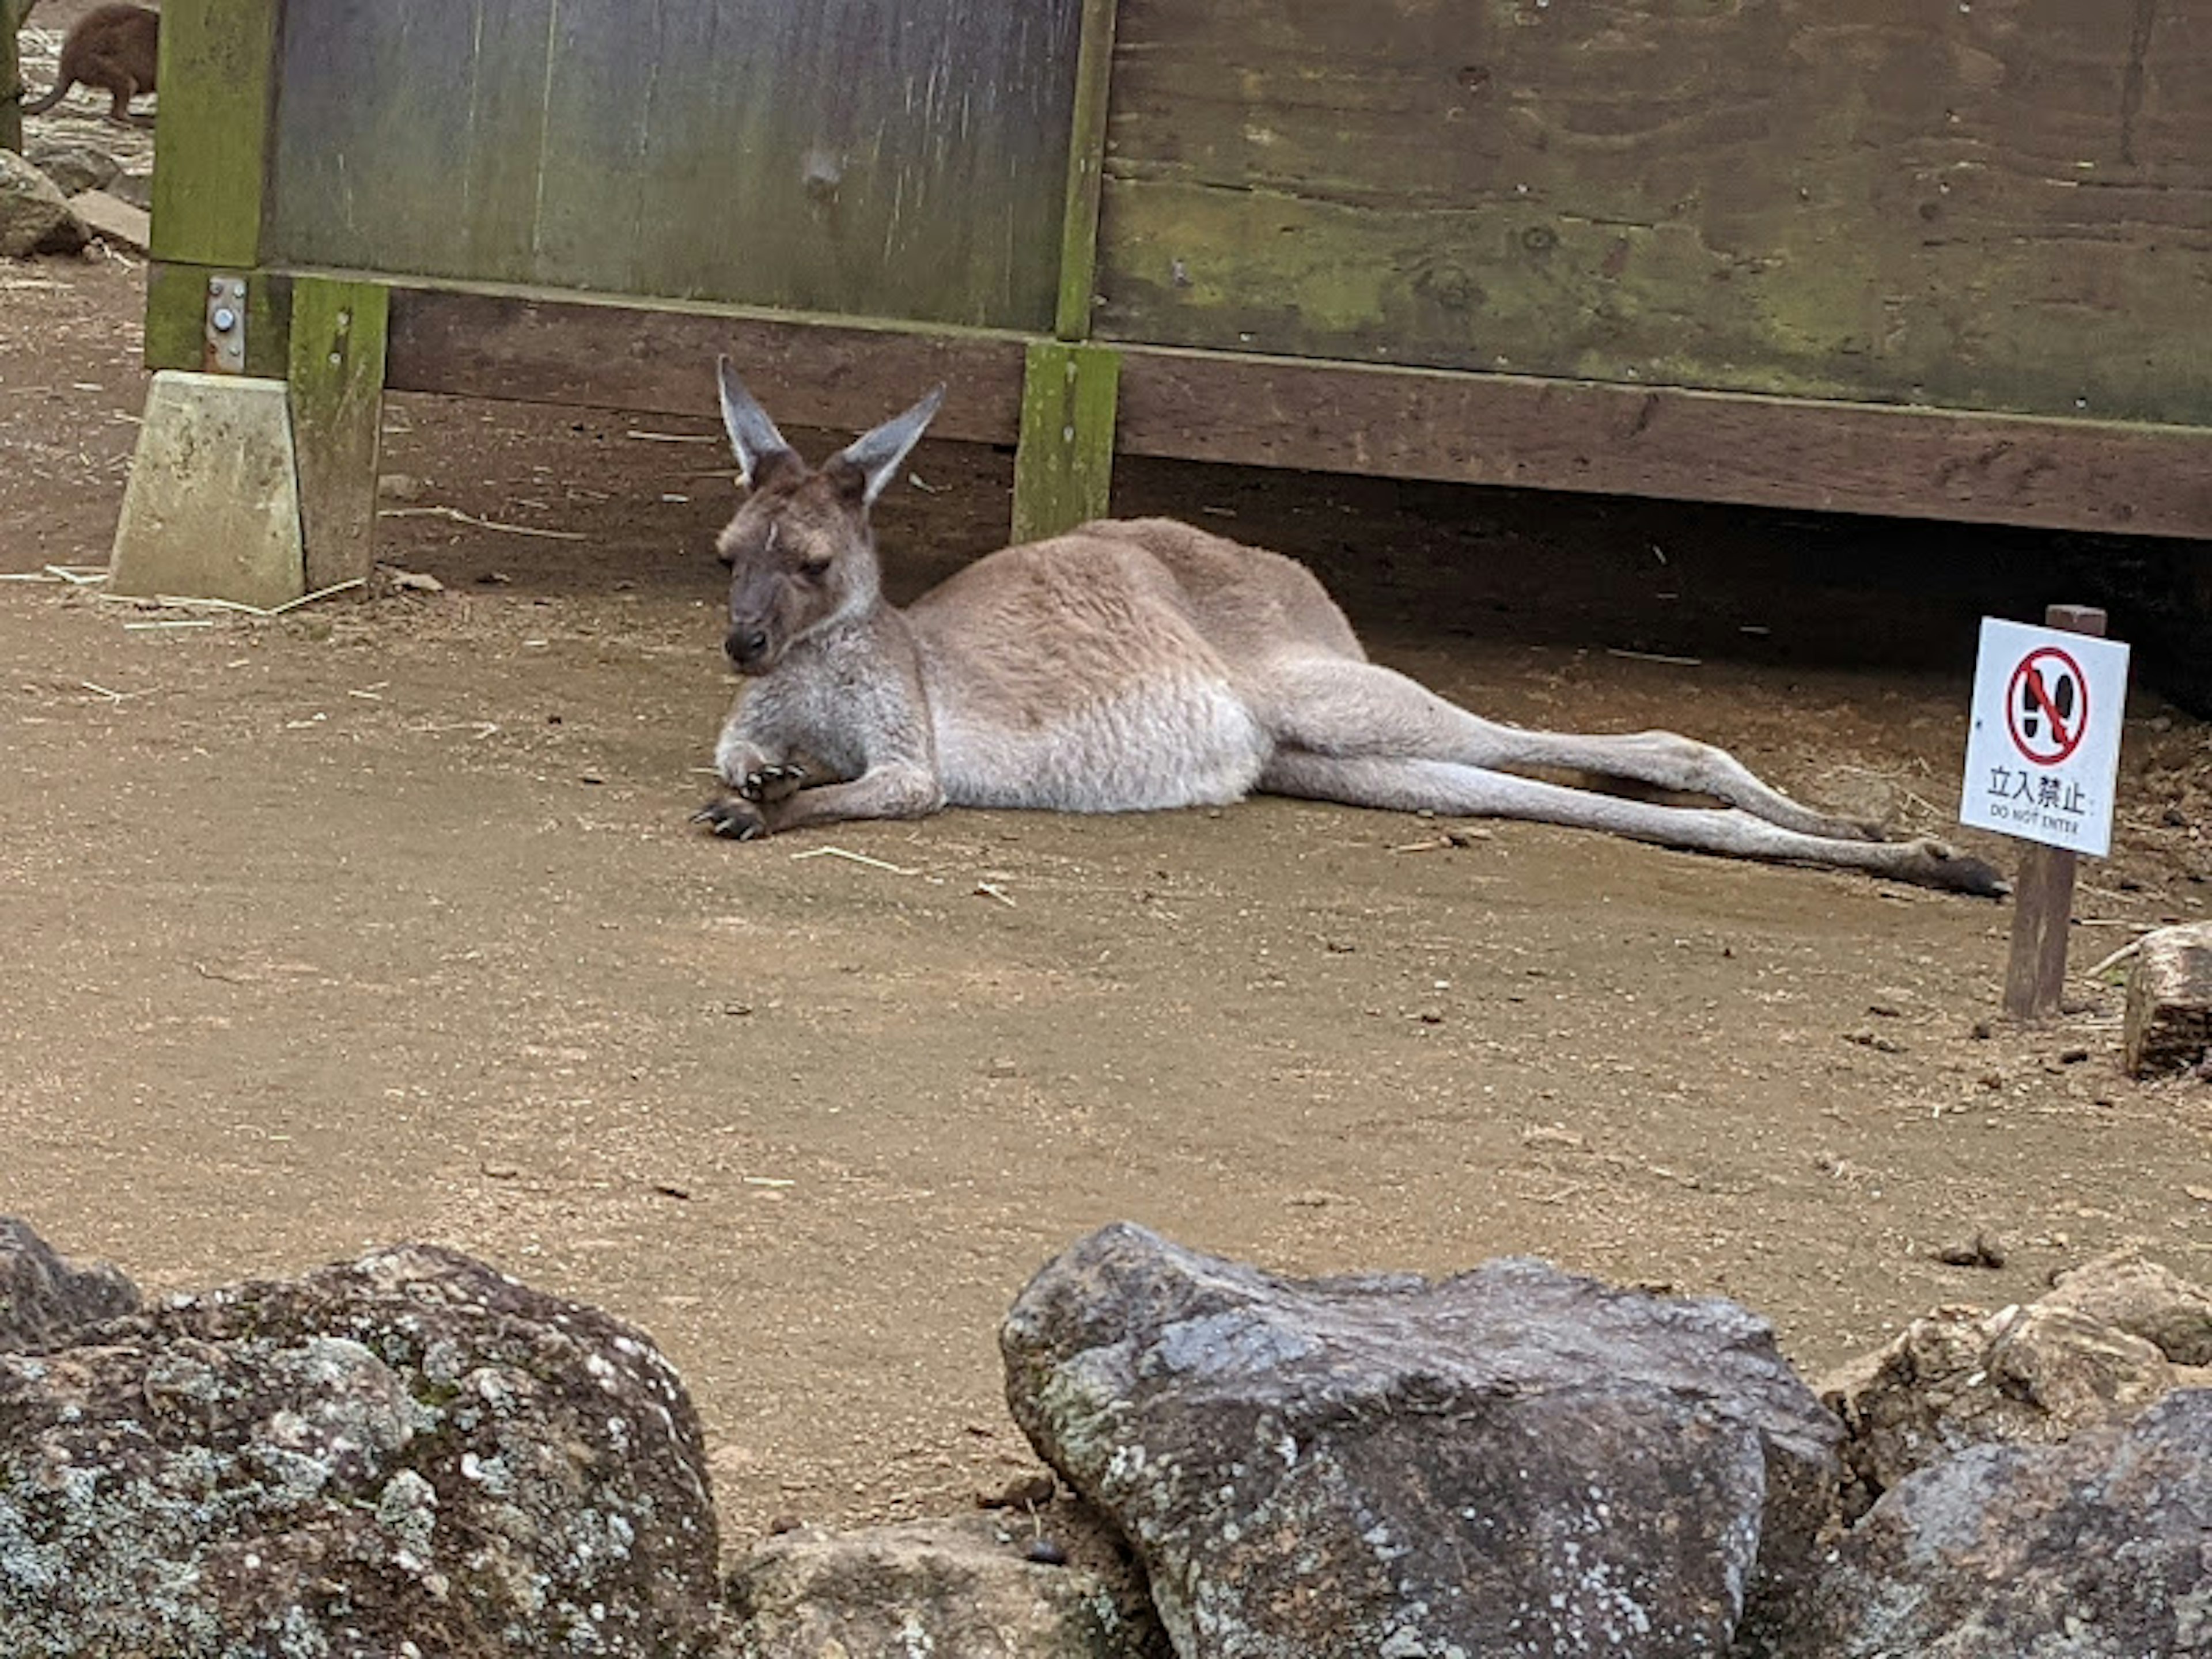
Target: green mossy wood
(2001, 206)
(1064, 469)
(11, 80)
(337, 374)
(212, 131)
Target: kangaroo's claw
(732, 820)
(769, 784)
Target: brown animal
(1129, 667)
(114, 48)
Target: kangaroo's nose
(745, 644)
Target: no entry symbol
(2047, 705)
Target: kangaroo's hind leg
(1457, 790)
(1332, 705)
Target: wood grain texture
(890, 158)
(1690, 446)
(11, 81)
(2043, 891)
(336, 379)
(211, 130)
(1086, 160)
(1064, 469)
(2005, 205)
(819, 372)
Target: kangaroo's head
(801, 552)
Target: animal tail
(39, 106)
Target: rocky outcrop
(35, 217)
(2091, 1550)
(1513, 1461)
(2095, 1353)
(409, 1455)
(45, 1301)
(1057, 1586)
(73, 165)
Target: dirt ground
(383, 921)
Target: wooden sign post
(2042, 764)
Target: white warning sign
(2043, 755)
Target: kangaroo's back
(116, 48)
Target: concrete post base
(212, 510)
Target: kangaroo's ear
(752, 435)
(875, 456)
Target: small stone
(417, 582)
(592, 777)
(399, 487)
(1026, 1492)
(1002, 1069)
(1045, 1553)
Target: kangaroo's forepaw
(770, 784)
(734, 820)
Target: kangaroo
(1133, 665)
(114, 48)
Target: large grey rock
(45, 1301)
(963, 1588)
(1511, 1461)
(212, 509)
(73, 165)
(409, 1454)
(2097, 1549)
(34, 218)
(2168, 1023)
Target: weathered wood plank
(1392, 422)
(894, 158)
(212, 131)
(2006, 205)
(2043, 890)
(1086, 160)
(11, 80)
(813, 373)
(1692, 445)
(337, 380)
(1064, 469)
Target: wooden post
(11, 79)
(2043, 897)
(1064, 466)
(337, 376)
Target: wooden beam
(1671, 443)
(337, 376)
(1086, 160)
(1330, 417)
(1064, 469)
(212, 130)
(831, 372)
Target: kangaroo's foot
(770, 784)
(1935, 863)
(732, 820)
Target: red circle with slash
(2046, 719)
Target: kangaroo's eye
(814, 569)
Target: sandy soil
(383, 921)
